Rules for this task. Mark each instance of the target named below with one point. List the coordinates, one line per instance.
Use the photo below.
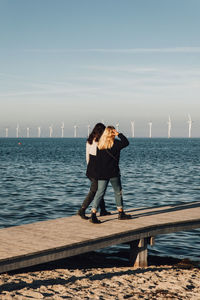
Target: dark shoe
(105, 213)
(93, 219)
(81, 213)
(123, 216)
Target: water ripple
(45, 179)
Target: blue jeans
(102, 186)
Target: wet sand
(95, 276)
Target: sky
(112, 61)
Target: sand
(93, 276)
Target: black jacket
(92, 167)
(107, 162)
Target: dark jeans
(91, 194)
(102, 186)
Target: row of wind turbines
(169, 123)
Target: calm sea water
(43, 179)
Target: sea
(44, 178)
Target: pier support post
(139, 252)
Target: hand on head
(112, 131)
(115, 132)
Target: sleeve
(123, 142)
(87, 153)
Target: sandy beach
(93, 276)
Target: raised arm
(123, 140)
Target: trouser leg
(116, 184)
(102, 185)
(102, 205)
(91, 194)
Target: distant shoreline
(82, 137)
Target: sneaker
(81, 213)
(93, 219)
(105, 213)
(123, 216)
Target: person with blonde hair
(107, 170)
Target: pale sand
(78, 278)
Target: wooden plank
(40, 242)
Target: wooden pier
(32, 244)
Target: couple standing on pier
(102, 156)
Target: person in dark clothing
(91, 150)
(108, 155)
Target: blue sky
(82, 62)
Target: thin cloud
(110, 80)
(127, 69)
(76, 90)
(7, 76)
(121, 50)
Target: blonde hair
(107, 139)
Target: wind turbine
(150, 129)
(189, 125)
(133, 129)
(88, 130)
(62, 129)
(117, 126)
(50, 131)
(17, 131)
(169, 127)
(39, 131)
(75, 130)
(27, 132)
(6, 132)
